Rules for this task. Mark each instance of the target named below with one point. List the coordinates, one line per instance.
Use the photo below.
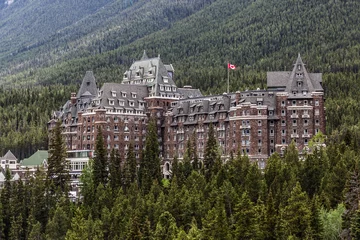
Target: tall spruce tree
(58, 166)
(352, 199)
(130, 168)
(297, 214)
(6, 195)
(150, 162)
(115, 173)
(100, 166)
(211, 154)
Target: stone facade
(256, 123)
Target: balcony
(221, 128)
(294, 116)
(180, 131)
(200, 130)
(306, 135)
(245, 127)
(294, 135)
(305, 116)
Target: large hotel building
(256, 123)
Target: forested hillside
(52, 42)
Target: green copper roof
(36, 159)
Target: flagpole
(228, 77)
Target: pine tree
(130, 168)
(150, 162)
(211, 154)
(39, 206)
(215, 225)
(88, 186)
(115, 174)
(6, 195)
(297, 215)
(58, 166)
(78, 230)
(352, 199)
(254, 183)
(134, 232)
(246, 219)
(100, 166)
(36, 233)
(166, 227)
(58, 225)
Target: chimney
(237, 97)
(73, 98)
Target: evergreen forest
(312, 197)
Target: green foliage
(211, 154)
(332, 222)
(58, 166)
(100, 166)
(150, 163)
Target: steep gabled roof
(296, 82)
(88, 85)
(9, 156)
(154, 73)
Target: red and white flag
(231, 66)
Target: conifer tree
(6, 195)
(352, 199)
(215, 225)
(115, 173)
(254, 183)
(134, 231)
(211, 154)
(246, 219)
(166, 227)
(334, 182)
(297, 215)
(58, 225)
(39, 206)
(100, 166)
(78, 230)
(88, 186)
(36, 233)
(150, 162)
(130, 168)
(58, 166)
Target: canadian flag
(230, 66)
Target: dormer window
(174, 89)
(131, 103)
(125, 76)
(150, 72)
(113, 93)
(123, 94)
(299, 84)
(299, 67)
(133, 95)
(161, 88)
(121, 103)
(111, 102)
(165, 79)
(138, 74)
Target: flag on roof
(231, 66)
